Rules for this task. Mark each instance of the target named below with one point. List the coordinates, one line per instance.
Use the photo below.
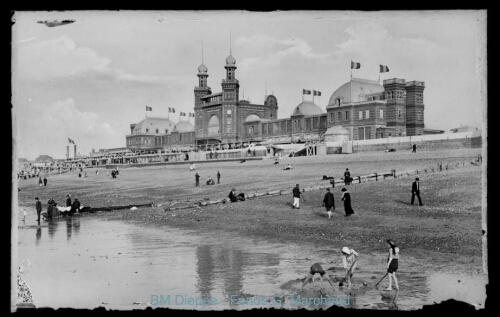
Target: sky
(89, 80)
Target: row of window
(157, 131)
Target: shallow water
(85, 262)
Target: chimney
(67, 152)
(75, 151)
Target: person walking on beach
(40, 182)
(349, 260)
(38, 205)
(329, 202)
(346, 198)
(197, 177)
(316, 268)
(415, 190)
(218, 177)
(45, 181)
(392, 264)
(414, 148)
(296, 197)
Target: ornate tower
(199, 91)
(230, 97)
(395, 94)
(415, 108)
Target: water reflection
(52, 225)
(205, 270)
(69, 227)
(38, 234)
(76, 225)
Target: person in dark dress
(75, 207)
(346, 198)
(414, 148)
(329, 202)
(50, 205)
(68, 201)
(38, 204)
(347, 177)
(218, 176)
(40, 182)
(197, 177)
(45, 181)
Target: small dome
(151, 124)
(307, 108)
(354, 91)
(230, 60)
(253, 117)
(184, 126)
(202, 68)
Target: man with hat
(415, 190)
(296, 196)
(232, 195)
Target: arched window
(213, 125)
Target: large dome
(230, 60)
(151, 124)
(354, 89)
(307, 108)
(184, 126)
(202, 69)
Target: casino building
(359, 109)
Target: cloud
(62, 58)
(27, 40)
(272, 51)
(44, 129)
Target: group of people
(349, 262)
(42, 183)
(210, 181)
(328, 201)
(53, 209)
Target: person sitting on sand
(349, 260)
(288, 167)
(210, 181)
(392, 264)
(316, 268)
(232, 195)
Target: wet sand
(261, 247)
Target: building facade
(361, 109)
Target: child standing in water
(392, 264)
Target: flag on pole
(191, 114)
(384, 69)
(171, 110)
(355, 65)
(182, 114)
(149, 108)
(71, 141)
(316, 93)
(306, 92)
